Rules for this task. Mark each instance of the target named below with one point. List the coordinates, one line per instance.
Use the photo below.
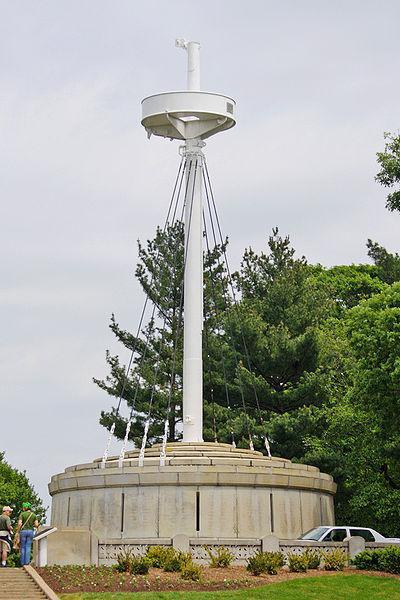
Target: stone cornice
(205, 464)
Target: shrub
(185, 557)
(368, 560)
(124, 561)
(297, 563)
(191, 572)
(265, 562)
(335, 560)
(140, 565)
(160, 555)
(177, 561)
(313, 558)
(222, 557)
(256, 564)
(173, 564)
(389, 559)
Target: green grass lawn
(335, 587)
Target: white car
(328, 533)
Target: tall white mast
(191, 116)
(193, 278)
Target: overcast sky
(316, 85)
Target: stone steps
(16, 584)
(186, 452)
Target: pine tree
(281, 308)
(154, 383)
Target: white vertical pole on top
(193, 277)
(193, 70)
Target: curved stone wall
(204, 490)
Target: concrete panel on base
(310, 510)
(253, 512)
(142, 512)
(70, 546)
(287, 515)
(177, 501)
(79, 510)
(212, 508)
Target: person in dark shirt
(6, 531)
(27, 523)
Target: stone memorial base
(206, 493)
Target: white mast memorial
(190, 493)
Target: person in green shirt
(6, 531)
(27, 523)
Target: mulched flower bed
(76, 578)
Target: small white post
(42, 552)
(107, 449)
(124, 445)
(193, 74)
(193, 67)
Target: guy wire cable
(213, 294)
(266, 440)
(129, 422)
(224, 295)
(147, 424)
(178, 180)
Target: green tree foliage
(348, 285)
(16, 489)
(389, 175)
(373, 329)
(263, 371)
(159, 272)
(280, 310)
(285, 303)
(360, 445)
(159, 350)
(311, 352)
(388, 264)
(335, 291)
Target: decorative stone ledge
(187, 464)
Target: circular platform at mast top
(205, 490)
(187, 115)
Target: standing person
(6, 531)
(27, 522)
